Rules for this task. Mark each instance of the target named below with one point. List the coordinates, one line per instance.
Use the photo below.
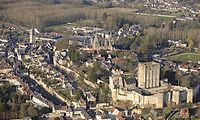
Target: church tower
(95, 44)
(110, 42)
(31, 35)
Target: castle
(148, 89)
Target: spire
(31, 34)
(95, 42)
(109, 41)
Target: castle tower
(148, 75)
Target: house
(135, 29)
(90, 97)
(2, 53)
(82, 103)
(69, 112)
(184, 113)
(130, 84)
(82, 113)
(22, 72)
(104, 34)
(38, 102)
(85, 115)
(5, 67)
(102, 115)
(89, 63)
(183, 67)
(119, 113)
(178, 43)
(59, 109)
(116, 60)
(194, 69)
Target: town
(109, 66)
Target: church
(102, 42)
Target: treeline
(31, 13)
(153, 38)
(156, 37)
(39, 14)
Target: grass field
(185, 57)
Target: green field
(185, 57)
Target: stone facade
(149, 91)
(101, 44)
(148, 75)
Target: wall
(68, 70)
(34, 99)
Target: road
(156, 15)
(173, 112)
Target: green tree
(199, 46)
(23, 110)
(126, 26)
(2, 107)
(45, 110)
(73, 54)
(79, 94)
(32, 111)
(103, 53)
(104, 16)
(190, 44)
(92, 75)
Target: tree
(133, 46)
(126, 26)
(103, 53)
(92, 75)
(23, 110)
(104, 16)
(199, 46)
(197, 112)
(45, 110)
(32, 111)
(57, 118)
(79, 94)
(73, 54)
(84, 56)
(190, 44)
(62, 44)
(2, 107)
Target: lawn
(185, 57)
(55, 27)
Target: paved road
(156, 15)
(168, 117)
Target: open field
(185, 57)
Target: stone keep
(148, 75)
